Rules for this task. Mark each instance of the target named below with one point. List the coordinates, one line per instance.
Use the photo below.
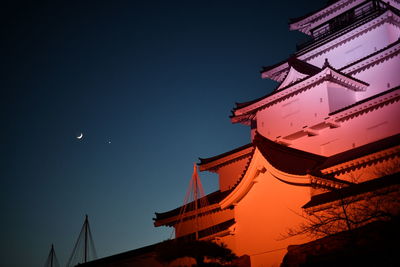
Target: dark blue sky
(157, 79)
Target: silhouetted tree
(349, 212)
(171, 250)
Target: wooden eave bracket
(326, 183)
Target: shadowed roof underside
(299, 65)
(287, 159)
(295, 161)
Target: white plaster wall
(357, 48)
(393, 32)
(266, 212)
(380, 77)
(339, 97)
(360, 130)
(294, 113)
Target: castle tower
(329, 126)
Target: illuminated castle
(328, 132)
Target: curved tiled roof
(323, 73)
(302, 66)
(287, 159)
(211, 198)
(312, 44)
(361, 151)
(353, 190)
(299, 65)
(217, 228)
(220, 156)
(319, 42)
(270, 67)
(295, 161)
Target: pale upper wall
(353, 132)
(310, 109)
(339, 96)
(307, 108)
(381, 77)
(354, 47)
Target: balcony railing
(350, 17)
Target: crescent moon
(80, 136)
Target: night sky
(150, 84)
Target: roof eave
(215, 162)
(303, 24)
(326, 74)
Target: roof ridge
(222, 155)
(326, 65)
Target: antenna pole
(52, 255)
(86, 236)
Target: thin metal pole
(52, 255)
(86, 237)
